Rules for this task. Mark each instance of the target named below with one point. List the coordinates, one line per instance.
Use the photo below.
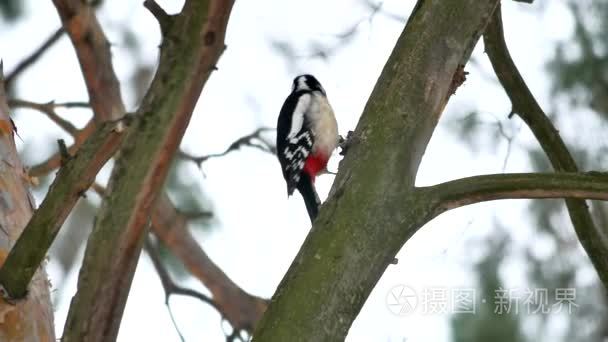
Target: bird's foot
(345, 144)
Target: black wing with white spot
(294, 137)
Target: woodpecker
(307, 134)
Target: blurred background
(518, 263)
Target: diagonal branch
(73, 179)
(169, 286)
(188, 55)
(31, 59)
(93, 51)
(373, 208)
(592, 237)
(240, 308)
(470, 190)
(168, 283)
(49, 110)
(54, 161)
(164, 19)
(170, 226)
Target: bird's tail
(311, 199)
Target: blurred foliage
(11, 9)
(580, 65)
(579, 74)
(490, 321)
(188, 197)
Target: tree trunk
(373, 208)
(30, 319)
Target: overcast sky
(259, 230)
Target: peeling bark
(30, 319)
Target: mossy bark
(192, 43)
(373, 207)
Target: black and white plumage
(307, 134)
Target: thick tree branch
(93, 51)
(593, 238)
(31, 59)
(188, 55)
(73, 179)
(170, 226)
(470, 190)
(373, 207)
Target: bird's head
(308, 83)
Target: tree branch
(49, 110)
(73, 179)
(592, 237)
(254, 140)
(373, 208)
(170, 226)
(30, 319)
(164, 19)
(93, 51)
(140, 170)
(54, 161)
(470, 190)
(31, 59)
(169, 286)
(240, 308)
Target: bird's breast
(325, 126)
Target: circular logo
(401, 300)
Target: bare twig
(169, 285)
(240, 309)
(318, 49)
(254, 140)
(49, 110)
(164, 19)
(196, 215)
(31, 59)
(54, 161)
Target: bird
(307, 135)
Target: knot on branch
(458, 79)
(7, 297)
(164, 19)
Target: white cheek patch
(297, 119)
(302, 83)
